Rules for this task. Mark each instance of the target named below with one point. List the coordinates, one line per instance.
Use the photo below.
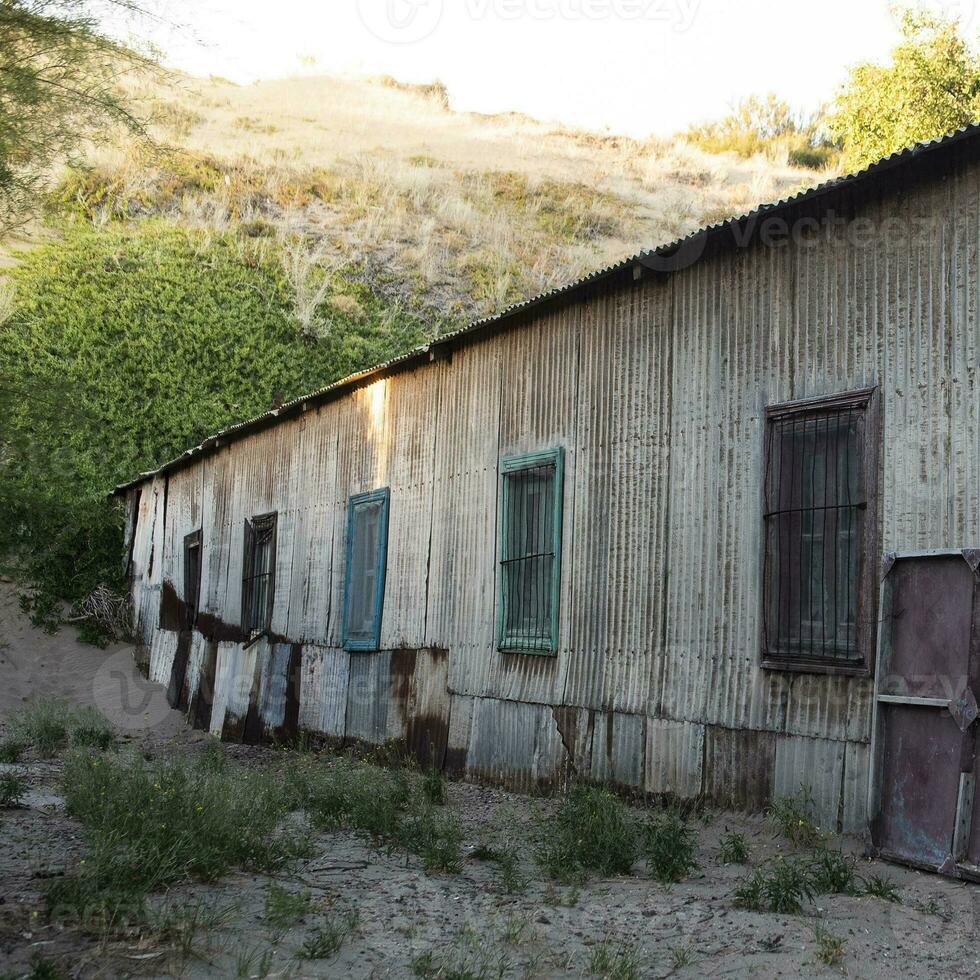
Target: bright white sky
(627, 66)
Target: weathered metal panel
(815, 765)
(739, 767)
(162, 650)
(619, 749)
(367, 696)
(515, 744)
(323, 695)
(854, 813)
(674, 758)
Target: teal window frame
(380, 569)
(509, 466)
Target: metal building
(631, 530)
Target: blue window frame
(364, 578)
(530, 552)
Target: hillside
(271, 239)
(451, 213)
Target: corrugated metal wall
(656, 393)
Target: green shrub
(126, 346)
(12, 787)
(792, 816)
(832, 872)
(284, 908)
(47, 726)
(733, 849)
(830, 948)
(781, 887)
(11, 749)
(670, 847)
(592, 831)
(614, 961)
(147, 826)
(325, 941)
(434, 786)
(878, 887)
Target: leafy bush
(670, 847)
(12, 788)
(931, 87)
(782, 887)
(11, 749)
(767, 126)
(733, 849)
(126, 346)
(833, 873)
(592, 831)
(792, 816)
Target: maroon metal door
(924, 758)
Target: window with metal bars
(259, 574)
(530, 552)
(820, 533)
(364, 579)
(192, 576)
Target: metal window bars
(814, 513)
(258, 574)
(528, 558)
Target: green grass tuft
(792, 817)
(592, 831)
(830, 948)
(670, 847)
(325, 940)
(783, 887)
(614, 961)
(11, 749)
(12, 787)
(733, 849)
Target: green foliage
(147, 826)
(670, 847)
(47, 726)
(11, 749)
(383, 804)
(767, 126)
(830, 948)
(592, 831)
(832, 872)
(877, 886)
(127, 346)
(930, 87)
(59, 83)
(12, 787)
(792, 816)
(284, 908)
(614, 961)
(733, 849)
(43, 969)
(434, 786)
(782, 887)
(325, 941)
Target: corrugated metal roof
(664, 259)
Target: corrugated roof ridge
(474, 326)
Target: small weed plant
(792, 817)
(670, 847)
(592, 831)
(830, 948)
(782, 887)
(733, 849)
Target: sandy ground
(465, 922)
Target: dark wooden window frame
(192, 586)
(253, 528)
(868, 401)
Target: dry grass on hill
(456, 213)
